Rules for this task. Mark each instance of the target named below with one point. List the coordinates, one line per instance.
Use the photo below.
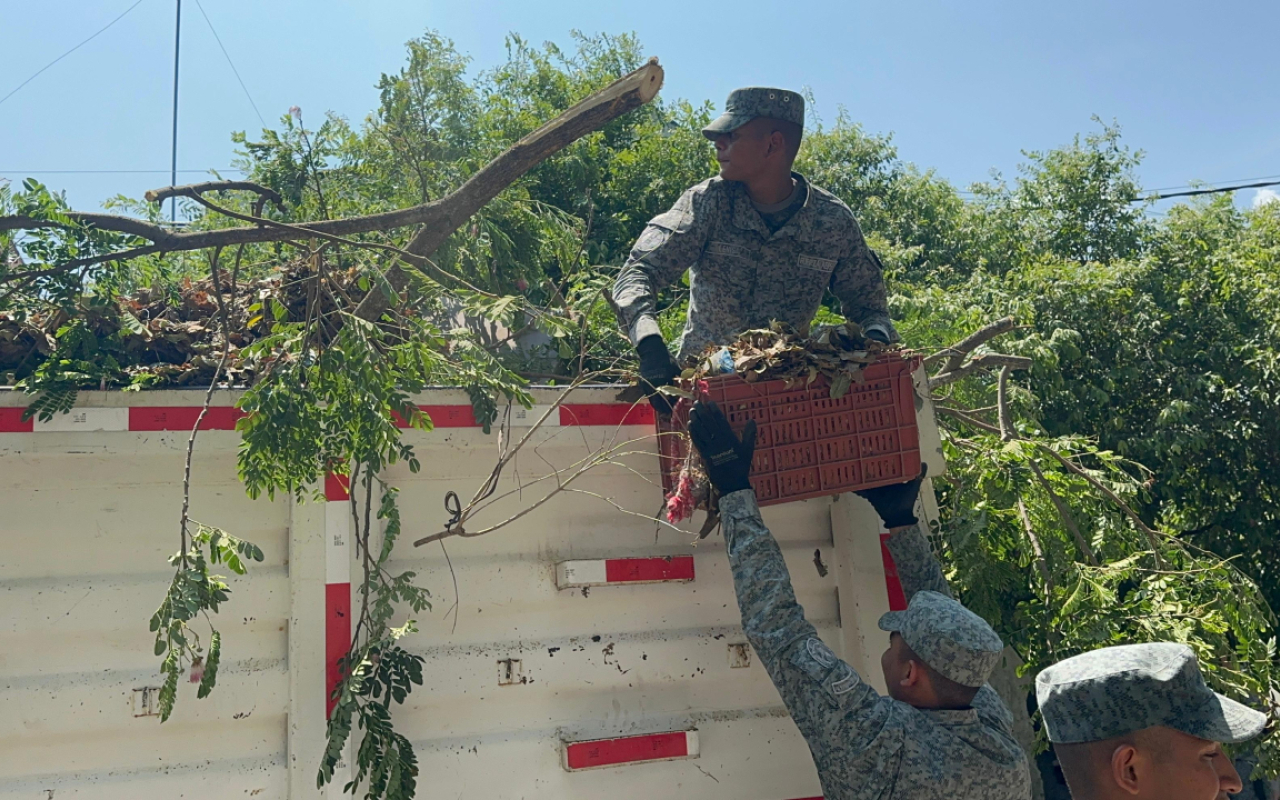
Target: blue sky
(963, 87)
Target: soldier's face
(1195, 769)
(1172, 765)
(742, 151)
(895, 662)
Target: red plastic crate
(809, 444)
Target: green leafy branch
(1044, 541)
(376, 671)
(193, 592)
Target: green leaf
(210, 677)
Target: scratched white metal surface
(89, 516)
(87, 521)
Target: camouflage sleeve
(918, 567)
(670, 244)
(858, 281)
(849, 727)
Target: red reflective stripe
(11, 421)
(181, 418)
(897, 598)
(337, 637)
(603, 752)
(224, 418)
(451, 416)
(623, 570)
(606, 414)
(335, 487)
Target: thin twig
(1037, 550)
(1065, 514)
(1152, 535)
(208, 400)
(1002, 404)
(457, 597)
(956, 413)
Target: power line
(1160, 194)
(69, 52)
(1193, 186)
(231, 63)
(116, 171)
(1198, 192)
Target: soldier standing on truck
(760, 243)
(942, 731)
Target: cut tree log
(438, 219)
(592, 114)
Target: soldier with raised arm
(942, 732)
(759, 241)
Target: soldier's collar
(746, 217)
(952, 716)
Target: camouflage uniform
(863, 744)
(1117, 690)
(741, 274)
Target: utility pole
(173, 163)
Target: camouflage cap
(1117, 690)
(953, 640)
(747, 104)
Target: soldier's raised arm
(845, 722)
(670, 244)
(858, 282)
(918, 567)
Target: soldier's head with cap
(940, 653)
(758, 134)
(1138, 721)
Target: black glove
(896, 503)
(657, 368)
(875, 334)
(726, 458)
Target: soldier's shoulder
(711, 187)
(830, 205)
(703, 198)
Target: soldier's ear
(1126, 770)
(913, 675)
(777, 143)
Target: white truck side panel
(516, 667)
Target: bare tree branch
(1037, 550)
(956, 353)
(193, 190)
(107, 222)
(593, 113)
(967, 419)
(981, 363)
